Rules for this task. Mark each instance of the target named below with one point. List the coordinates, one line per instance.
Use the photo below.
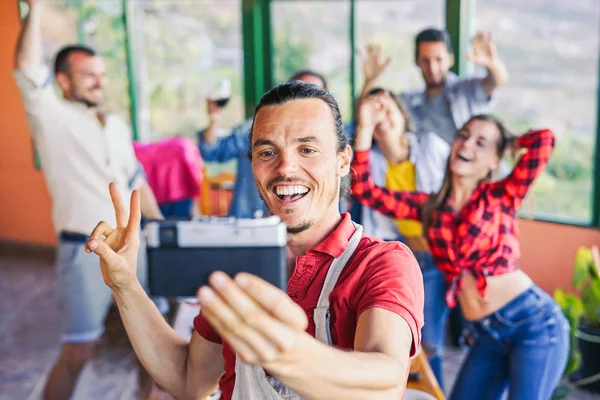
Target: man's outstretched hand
(260, 322)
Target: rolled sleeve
(475, 92)
(138, 177)
(394, 282)
(35, 85)
(204, 329)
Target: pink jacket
(173, 167)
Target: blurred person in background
(447, 102)
(81, 150)
(246, 202)
(401, 160)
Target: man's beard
(294, 230)
(85, 101)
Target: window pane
(314, 35)
(551, 50)
(394, 24)
(182, 47)
(103, 30)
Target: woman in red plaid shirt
(520, 334)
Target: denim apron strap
(321, 315)
(251, 382)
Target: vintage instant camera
(182, 254)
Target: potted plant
(583, 313)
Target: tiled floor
(30, 339)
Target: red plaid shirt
(483, 237)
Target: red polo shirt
(378, 275)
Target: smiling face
(435, 61)
(295, 162)
(85, 81)
(389, 131)
(475, 149)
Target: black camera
(182, 254)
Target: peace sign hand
(118, 250)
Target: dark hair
(436, 200)
(432, 35)
(410, 123)
(299, 74)
(61, 62)
(297, 90)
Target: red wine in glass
(221, 102)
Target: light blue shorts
(84, 298)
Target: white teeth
(290, 190)
(464, 157)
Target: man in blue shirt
(246, 202)
(447, 102)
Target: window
(181, 48)
(394, 24)
(314, 35)
(101, 28)
(551, 51)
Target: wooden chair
(216, 194)
(426, 381)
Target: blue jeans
(523, 346)
(436, 313)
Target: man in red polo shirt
(353, 310)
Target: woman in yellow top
(416, 163)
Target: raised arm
(187, 371)
(215, 113)
(539, 146)
(374, 65)
(223, 149)
(486, 55)
(32, 76)
(29, 44)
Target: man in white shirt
(81, 150)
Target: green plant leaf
(559, 297)
(574, 362)
(581, 271)
(591, 305)
(595, 285)
(570, 304)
